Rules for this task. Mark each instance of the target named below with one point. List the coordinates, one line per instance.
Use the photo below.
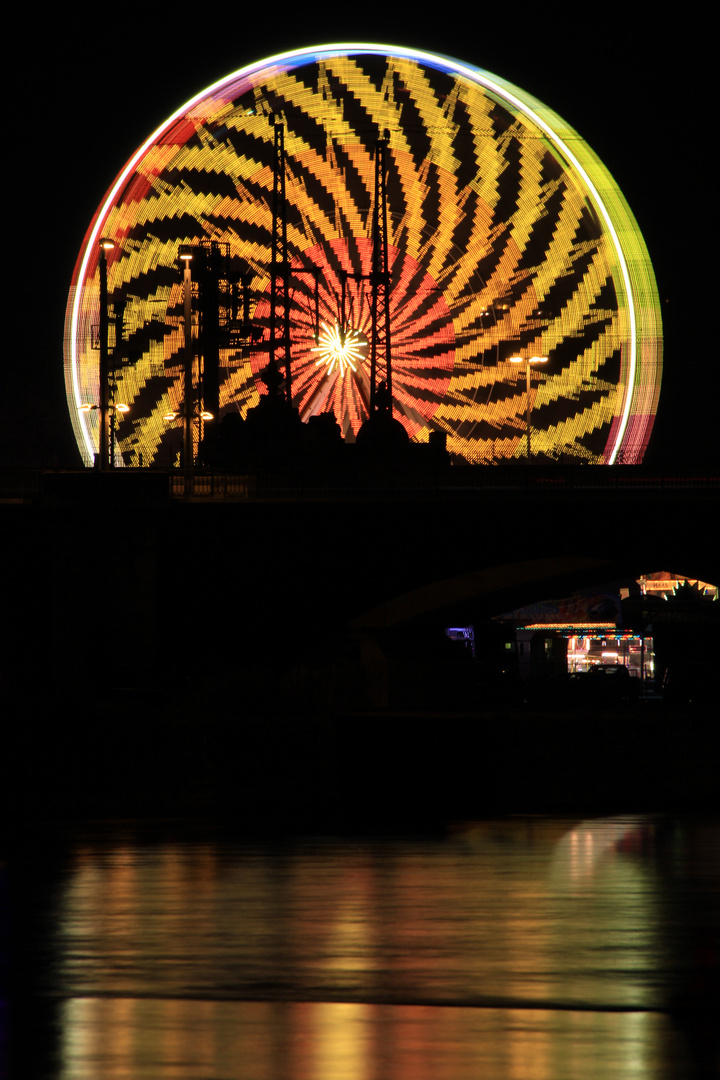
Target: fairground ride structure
(502, 233)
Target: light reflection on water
(526, 949)
(120, 1038)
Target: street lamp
(181, 415)
(112, 409)
(527, 361)
(187, 416)
(189, 412)
(120, 407)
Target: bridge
(167, 571)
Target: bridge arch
(485, 592)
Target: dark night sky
(636, 86)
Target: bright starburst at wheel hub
(340, 350)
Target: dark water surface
(526, 948)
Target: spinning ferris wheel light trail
(504, 235)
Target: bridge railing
(457, 482)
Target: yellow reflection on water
(337, 1039)
(119, 1039)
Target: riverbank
(137, 755)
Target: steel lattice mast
(380, 276)
(280, 267)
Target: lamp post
(527, 361)
(112, 409)
(104, 428)
(187, 416)
(189, 412)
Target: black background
(89, 84)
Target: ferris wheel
(506, 237)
